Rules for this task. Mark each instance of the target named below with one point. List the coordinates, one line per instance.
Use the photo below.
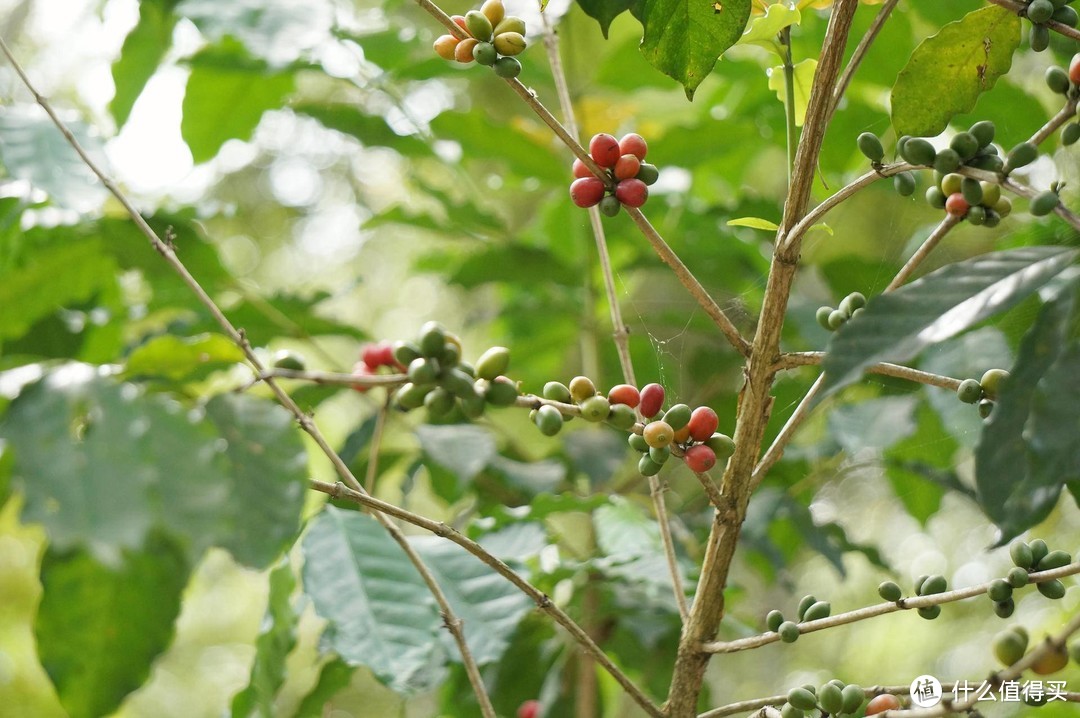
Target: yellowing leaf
(804, 79)
(754, 223)
(763, 29)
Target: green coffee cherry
(1066, 16)
(510, 23)
(964, 144)
(1009, 646)
(493, 363)
(721, 444)
(789, 631)
(1039, 37)
(439, 402)
(889, 591)
(479, 26)
(1017, 577)
(801, 698)
(507, 67)
(830, 698)
(485, 54)
(1070, 134)
(1039, 549)
(610, 205)
(501, 392)
(1000, 590)
(472, 406)
(904, 184)
(790, 711)
(510, 43)
(951, 183)
(990, 163)
(549, 420)
(1053, 589)
(948, 160)
(853, 699)
(930, 612)
(805, 604)
(991, 193)
(432, 338)
(853, 301)
(992, 218)
(817, 611)
(557, 391)
(458, 383)
(1023, 154)
(595, 408)
(969, 391)
(405, 352)
(822, 317)
(918, 151)
(1057, 79)
(660, 454)
(991, 382)
(976, 215)
(648, 173)
(581, 388)
(1004, 609)
(935, 198)
(1044, 203)
(648, 467)
(837, 319)
(972, 191)
(870, 146)
(622, 417)
(933, 585)
(773, 620)
(1039, 11)
(1054, 559)
(410, 396)
(678, 416)
(983, 132)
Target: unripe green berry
(678, 416)
(804, 605)
(500, 392)
(971, 190)
(1023, 154)
(1070, 134)
(439, 402)
(507, 67)
(557, 391)
(647, 467)
(1054, 559)
(853, 699)
(1044, 203)
(830, 698)
(610, 205)
(1004, 609)
(493, 363)
(1017, 577)
(817, 611)
(1039, 11)
(1057, 79)
(870, 146)
(852, 302)
(510, 43)
(933, 584)
(964, 144)
(1053, 589)
(622, 417)
(773, 620)
(951, 183)
(969, 391)
(595, 408)
(721, 444)
(789, 632)
(836, 319)
(801, 698)
(822, 317)
(660, 455)
(485, 54)
(1066, 16)
(479, 26)
(991, 382)
(1009, 647)
(1039, 549)
(1039, 37)
(983, 132)
(510, 23)
(889, 591)
(904, 184)
(918, 151)
(549, 420)
(1000, 590)
(930, 612)
(581, 388)
(935, 197)
(410, 396)
(947, 160)
(789, 711)
(976, 215)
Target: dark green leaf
(334, 675)
(276, 639)
(252, 88)
(99, 627)
(462, 449)
(489, 605)
(604, 11)
(684, 38)
(379, 610)
(511, 264)
(31, 148)
(898, 325)
(948, 71)
(143, 50)
(177, 358)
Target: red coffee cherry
(633, 144)
(586, 191)
(580, 170)
(627, 167)
(652, 399)
(632, 192)
(529, 709)
(703, 423)
(882, 703)
(1074, 70)
(700, 458)
(624, 394)
(604, 150)
(955, 205)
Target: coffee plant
(320, 397)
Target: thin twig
(860, 53)
(791, 360)
(348, 482)
(657, 493)
(802, 410)
(690, 282)
(341, 491)
(1054, 25)
(880, 609)
(329, 378)
(1065, 114)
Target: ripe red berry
(633, 144)
(700, 458)
(627, 167)
(361, 369)
(459, 20)
(586, 191)
(632, 192)
(955, 205)
(604, 149)
(580, 170)
(529, 709)
(882, 703)
(652, 398)
(703, 423)
(624, 394)
(1074, 69)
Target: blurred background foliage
(330, 181)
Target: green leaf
(898, 325)
(763, 29)
(276, 639)
(32, 149)
(334, 675)
(278, 31)
(804, 81)
(143, 50)
(533, 477)
(462, 449)
(51, 279)
(511, 263)
(99, 627)
(948, 71)
(180, 357)
(489, 605)
(370, 130)
(1019, 474)
(380, 613)
(684, 38)
(754, 222)
(604, 11)
(252, 88)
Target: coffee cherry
(1003, 207)
(595, 408)
(658, 433)
(1070, 134)
(445, 46)
(773, 620)
(870, 146)
(510, 23)
(1053, 588)
(410, 396)
(507, 67)
(501, 391)
(918, 151)
(951, 183)
(837, 319)
(627, 167)
(579, 169)
(932, 585)
(633, 144)
(964, 144)
(822, 317)
(852, 302)
(802, 698)
(889, 591)
(1023, 154)
(485, 54)
(1000, 590)
(853, 699)
(586, 191)
(581, 388)
(1054, 559)
(1039, 37)
(1057, 79)
(991, 193)
(494, 10)
(971, 190)
(904, 184)
(530, 708)
(1051, 661)
(817, 611)
(289, 360)
(1044, 203)
(1066, 16)
(935, 197)
(439, 402)
(557, 391)
(1004, 609)
(948, 160)
(830, 698)
(510, 43)
(637, 443)
(648, 173)
(624, 394)
(804, 604)
(930, 612)
(700, 458)
(549, 420)
(956, 205)
(789, 711)
(479, 25)
(463, 53)
(721, 444)
(493, 363)
(652, 398)
(632, 192)
(1039, 11)
(604, 149)
(977, 215)
(1039, 549)
(423, 371)
(459, 383)
(1017, 577)
(660, 454)
(1010, 646)
(789, 633)
(969, 391)
(459, 20)
(1074, 69)
(678, 416)
(991, 382)
(609, 206)
(882, 703)
(622, 417)
(648, 467)
(703, 423)
(405, 352)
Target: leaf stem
(789, 100)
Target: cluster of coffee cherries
(925, 585)
(835, 698)
(984, 391)
(494, 39)
(832, 319)
(627, 175)
(810, 609)
(440, 381)
(1011, 644)
(1066, 82)
(617, 408)
(1040, 12)
(1027, 557)
(980, 203)
(690, 434)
